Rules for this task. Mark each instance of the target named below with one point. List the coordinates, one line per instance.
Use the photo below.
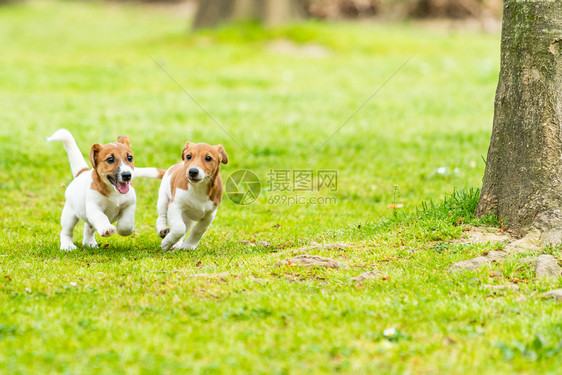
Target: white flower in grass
(72, 283)
(389, 332)
(441, 171)
(28, 290)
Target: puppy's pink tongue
(123, 187)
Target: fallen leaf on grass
(448, 341)
(392, 206)
(517, 280)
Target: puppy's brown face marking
(202, 160)
(113, 165)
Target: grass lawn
(280, 94)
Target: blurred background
(272, 12)
(209, 13)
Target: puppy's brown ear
(96, 147)
(125, 140)
(184, 151)
(222, 153)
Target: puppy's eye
(188, 157)
(208, 158)
(110, 160)
(130, 158)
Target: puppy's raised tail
(150, 172)
(77, 161)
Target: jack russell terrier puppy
(191, 191)
(102, 195)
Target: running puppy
(101, 195)
(191, 191)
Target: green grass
(89, 67)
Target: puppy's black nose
(126, 176)
(193, 172)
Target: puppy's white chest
(194, 204)
(115, 203)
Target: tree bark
(523, 180)
(211, 13)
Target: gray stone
(528, 261)
(211, 275)
(312, 261)
(252, 244)
(529, 243)
(474, 264)
(208, 268)
(546, 266)
(365, 276)
(556, 294)
(328, 246)
(485, 235)
(500, 287)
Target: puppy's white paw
(91, 243)
(185, 246)
(67, 246)
(107, 231)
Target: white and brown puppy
(190, 192)
(102, 195)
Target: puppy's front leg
(192, 241)
(89, 236)
(126, 223)
(99, 220)
(162, 207)
(177, 226)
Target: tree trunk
(523, 179)
(211, 13)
